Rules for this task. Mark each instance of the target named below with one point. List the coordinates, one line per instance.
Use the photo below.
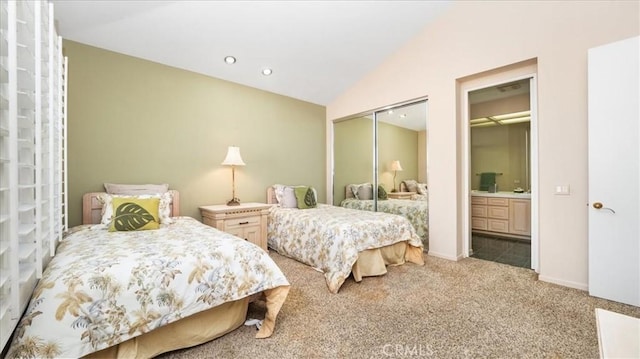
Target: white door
(614, 171)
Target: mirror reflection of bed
(415, 209)
(367, 149)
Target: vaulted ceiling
(316, 49)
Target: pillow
(306, 197)
(285, 195)
(289, 198)
(411, 185)
(382, 193)
(362, 191)
(135, 189)
(421, 188)
(278, 191)
(164, 207)
(134, 214)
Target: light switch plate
(562, 189)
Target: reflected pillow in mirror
(362, 191)
(412, 185)
(382, 193)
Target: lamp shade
(233, 157)
(395, 166)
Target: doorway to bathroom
(500, 167)
(500, 118)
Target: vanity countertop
(501, 194)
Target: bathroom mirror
(500, 138)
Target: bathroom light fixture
(233, 159)
(395, 167)
(230, 60)
(267, 71)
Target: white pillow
(164, 208)
(422, 188)
(289, 199)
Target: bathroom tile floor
(514, 252)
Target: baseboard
(444, 256)
(564, 283)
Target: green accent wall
(136, 121)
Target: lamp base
(235, 201)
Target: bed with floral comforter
(103, 288)
(330, 238)
(417, 212)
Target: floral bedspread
(329, 238)
(417, 212)
(419, 197)
(103, 288)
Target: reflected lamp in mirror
(233, 159)
(395, 167)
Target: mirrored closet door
(402, 147)
(380, 163)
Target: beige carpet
(467, 309)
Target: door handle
(598, 205)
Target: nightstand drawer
(247, 221)
(241, 222)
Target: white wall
(474, 37)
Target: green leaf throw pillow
(382, 193)
(306, 197)
(134, 214)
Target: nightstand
(248, 220)
(400, 195)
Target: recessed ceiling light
(267, 71)
(230, 60)
(403, 115)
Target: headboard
(271, 196)
(92, 207)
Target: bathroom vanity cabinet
(503, 213)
